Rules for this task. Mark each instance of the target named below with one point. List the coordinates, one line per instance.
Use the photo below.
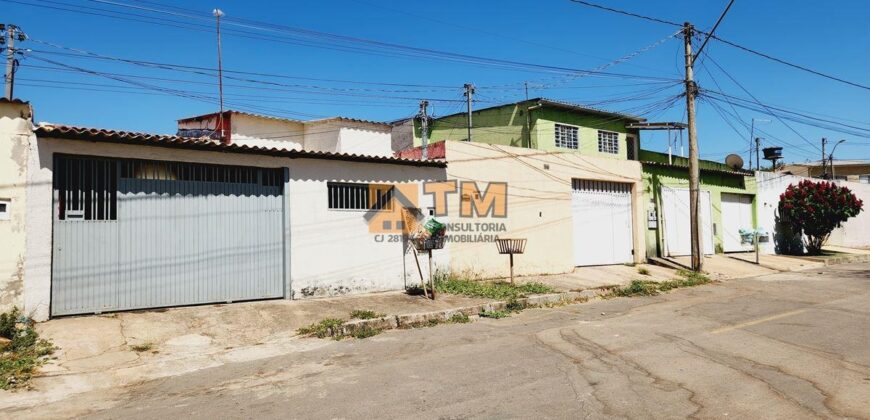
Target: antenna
(218, 14)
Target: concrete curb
(845, 259)
(422, 319)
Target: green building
(542, 124)
(728, 200)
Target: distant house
(335, 134)
(846, 170)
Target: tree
(813, 209)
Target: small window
(566, 136)
(608, 142)
(358, 196)
(864, 179)
(5, 205)
(86, 188)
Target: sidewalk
(115, 350)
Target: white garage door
(675, 209)
(602, 222)
(736, 215)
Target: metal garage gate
(132, 234)
(601, 213)
(676, 215)
(736, 216)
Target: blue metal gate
(131, 234)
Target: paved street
(791, 345)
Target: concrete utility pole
(831, 159)
(757, 153)
(824, 159)
(218, 13)
(12, 32)
(424, 129)
(694, 170)
(469, 90)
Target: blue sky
(351, 78)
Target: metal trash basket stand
(511, 247)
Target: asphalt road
(793, 345)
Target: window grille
(566, 136)
(608, 142)
(359, 196)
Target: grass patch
(642, 271)
(325, 328)
(23, 353)
(491, 290)
(494, 314)
(365, 332)
(459, 318)
(139, 348)
(365, 314)
(651, 288)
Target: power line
(724, 41)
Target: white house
(98, 220)
(335, 134)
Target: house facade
(727, 206)
(334, 134)
(843, 170)
(102, 220)
(541, 124)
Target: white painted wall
(15, 136)
(331, 252)
(322, 137)
(363, 140)
(266, 132)
(854, 233)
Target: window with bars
(359, 196)
(608, 142)
(87, 188)
(566, 136)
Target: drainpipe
(529, 121)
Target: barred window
(566, 136)
(359, 196)
(86, 188)
(608, 142)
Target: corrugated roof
(269, 117)
(562, 104)
(709, 170)
(205, 144)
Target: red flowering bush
(814, 209)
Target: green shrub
(365, 314)
(25, 352)
(365, 332)
(642, 271)
(325, 328)
(490, 290)
(459, 318)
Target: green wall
(655, 176)
(509, 125)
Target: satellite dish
(734, 161)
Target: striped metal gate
(131, 234)
(602, 222)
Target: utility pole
(424, 127)
(469, 90)
(824, 159)
(218, 13)
(694, 170)
(526, 84)
(12, 33)
(757, 155)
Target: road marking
(757, 321)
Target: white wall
(854, 233)
(322, 137)
(330, 252)
(15, 137)
(265, 132)
(366, 141)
